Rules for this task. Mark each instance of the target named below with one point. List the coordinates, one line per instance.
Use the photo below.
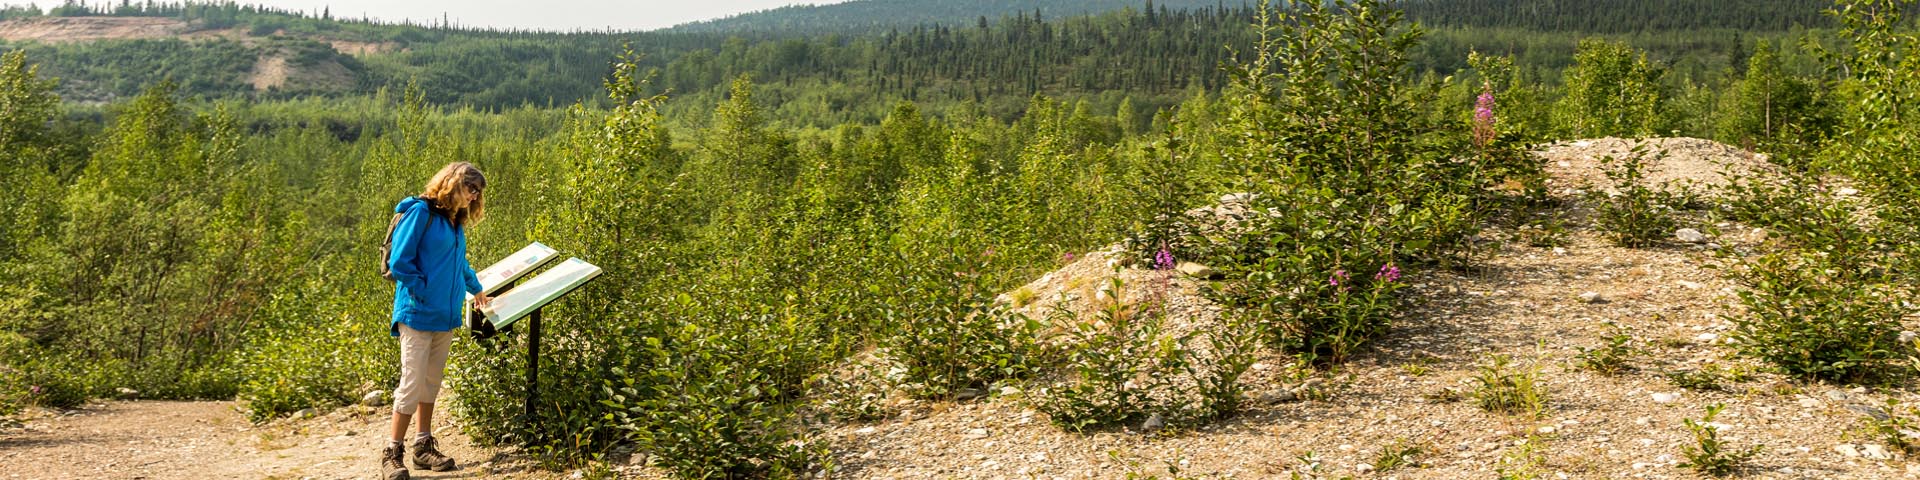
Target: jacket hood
(409, 203)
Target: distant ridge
(867, 15)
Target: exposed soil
(80, 29)
(198, 440)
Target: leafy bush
(1611, 90)
(320, 350)
(707, 409)
(1346, 178)
(952, 334)
(1812, 319)
(1612, 357)
(1708, 455)
(1507, 389)
(1125, 369)
(1632, 213)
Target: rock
(374, 398)
(1236, 198)
(1665, 397)
(1559, 250)
(1875, 452)
(1707, 337)
(1278, 396)
(1867, 410)
(1846, 192)
(1153, 424)
(1907, 336)
(305, 413)
(1010, 391)
(1592, 297)
(978, 433)
(1195, 270)
(1809, 403)
(865, 431)
(1690, 236)
(1847, 449)
(1690, 285)
(968, 394)
(1836, 395)
(127, 392)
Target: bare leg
(424, 418)
(400, 421)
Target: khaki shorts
(423, 362)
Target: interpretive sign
(521, 263)
(543, 289)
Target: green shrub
(1632, 213)
(951, 333)
(1507, 389)
(1125, 369)
(1612, 90)
(319, 350)
(708, 409)
(1612, 357)
(1709, 455)
(1811, 319)
(1346, 178)
(1123, 366)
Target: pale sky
(540, 14)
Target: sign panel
(515, 266)
(541, 290)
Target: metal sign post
(528, 300)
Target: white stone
(1875, 452)
(866, 431)
(1707, 337)
(1847, 449)
(1592, 297)
(374, 398)
(977, 433)
(1846, 192)
(1665, 397)
(1690, 285)
(1690, 236)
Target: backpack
(386, 247)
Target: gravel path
(198, 440)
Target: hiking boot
(390, 464)
(426, 455)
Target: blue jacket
(430, 271)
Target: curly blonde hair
(457, 191)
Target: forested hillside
(860, 16)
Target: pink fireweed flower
(1388, 273)
(34, 389)
(1338, 275)
(1163, 259)
(1067, 256)
(1483, 119)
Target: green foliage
(1525, 462)
(1612, 357)
(1632, 213)
(1711, 377)
(952, 334)
(1891, 426)
(1399, 454)
(1349, 179)
(1812, 318)
(1510, 390)
(1125, 369)
(706, 409)
(1612, 90)
(1709, 455)
(1772, 110)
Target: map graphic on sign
(515, 266)
(543, 289)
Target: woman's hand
(482, 300)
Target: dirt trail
(197, 440)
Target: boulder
(1195, 270)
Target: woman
(432, 279)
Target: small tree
(1612, 90)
